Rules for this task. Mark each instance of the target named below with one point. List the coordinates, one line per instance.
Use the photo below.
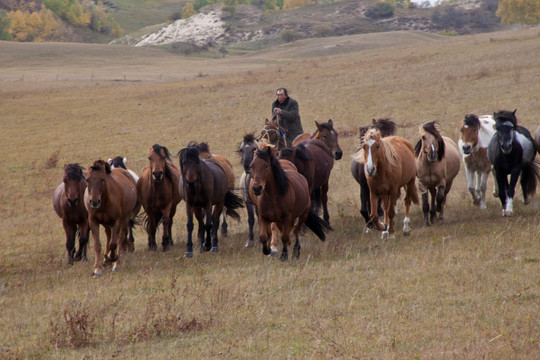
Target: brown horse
(157, 191)
(314, 160)
(246, 151)
(275, 134)
(282, 197)
(387, 127)
(389, 165)
(326, 133)
(69, 205)
(537, 139)
(437, 164)
(111, 201)
(203, 185)
(204, 153)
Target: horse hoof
(405, 233)
(284, 257)
(273, 253)
(96, 274)
(214, 249)
(385, 234)
(116, 268)
(250, 243)
(508, 213)
(526, 201)
(188, 254)
(483, 207)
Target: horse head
(431, 142)
(372, 147)
(247, 150)
(97, 182)
(73, 176)
(118, 162)
(274, 133)
(158, 156)
(329, 136)
(190, 166)
(265, 169)
(505, 124)
(469, 133)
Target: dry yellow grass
(469, 288)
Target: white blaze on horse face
(369, 165)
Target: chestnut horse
(204, 153)
(157, 191)
(203, 185)
(121, 162)
(275, 134)
(282, 197)
(437, 164)
(326, 133)
(111, 201)
(387, 127)
(314, 160)
(512, 153)
(68, 202)
(389, 165)
(476, 132)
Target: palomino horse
(121, 162)
(203, 185)
(314, 160)
(326, 133)
(275, 134)
(204, 153)
(389, 165)
(246, 150)
(157, 191)
(69, 205)
(282, 197)
(476, 132)
(111, 201)
(387, 127)
(437, 164)
(512, 152)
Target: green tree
(525, 12)
(4, 26)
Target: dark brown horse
(246, 151)
(203, 185)
(68, 202)
(387, 127)
(204, 153)
(389, 165)
(275, 134)
(157, 191)
(326, 133)
(111, 201)
(282, 197)
(314, 160)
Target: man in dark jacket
(286, 110)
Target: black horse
(387, 127)
(511, 151)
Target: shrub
(381, 10)
(288, 35)
(177, 15)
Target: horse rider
(285, 109)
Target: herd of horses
(285, 183)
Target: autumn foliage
(526, 12)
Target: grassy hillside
(468, 288)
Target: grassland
(468, 288)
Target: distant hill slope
(251, 28)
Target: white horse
(476, 133)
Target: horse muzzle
(73, 202)
(466, 149)
(157, 176)
(371, 170)
(338, 155)
(432, 156)
(257, 190)
(506, 149)
(191, 184)
(94, 204)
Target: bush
(288, 35)
(381, 10)
(449, 18)
(322, 30)
(177, 15)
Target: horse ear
(124, 160)
(331, 122)
(109, 161)
(373, 121)
(514, 113)
(317, 124)
(266, 122)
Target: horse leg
(224, 226)
(122, 242)
(434, 204)
(425, 208)
(83, 243)
(131, 238)
(365, 206)
(208, 227)
(265, 232)
(482, 179)
(94, 228)
(71, 231)
(472, 188)
(218, 209)
(166, 223)
(502, 186)
(273, 240)
(374, 200)
(441, 200)
(496, 185)
(285, 240)
(389, 206)
(189, 228)
(151, 227)
(408, 200)
(200, 214)
(510, 191)
(324, 201)
(251, 222)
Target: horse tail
(319, 226)
(530, 176)
(232, 202)
(411, 193)
(157, 218)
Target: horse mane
(472, 120)
(386, 126)
(203, 147)
(248, 138)
(117, 162)
(189, 152)
(282, 182)
(74, 172)
(99, 165)
(432, 128)
(388, 149)
(157, 149)
(505, 115)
